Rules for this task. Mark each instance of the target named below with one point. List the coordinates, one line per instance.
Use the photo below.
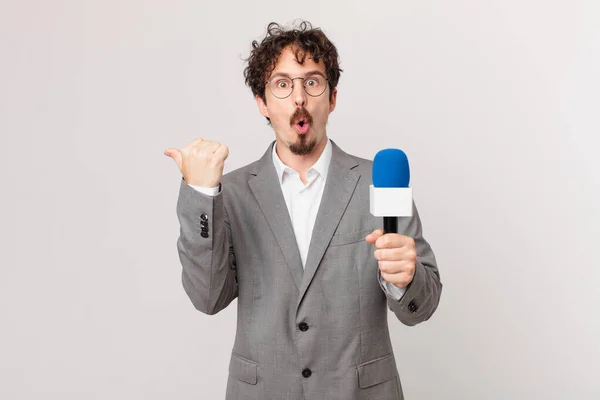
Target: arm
(209, 275)
(421, 297)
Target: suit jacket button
(203, 217)
(204, 234)
(303, 326)
(306, 373)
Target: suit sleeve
(421, 297)
(205, 250)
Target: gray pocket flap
(347, 238)
(376, 371)
(243, 369)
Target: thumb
(175, 154)
(373, 236)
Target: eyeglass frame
(303, 85)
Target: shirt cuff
(389, 289)
(208, 191)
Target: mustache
(301, 113)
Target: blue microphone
(390, 195)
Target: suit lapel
(340, 185)
(265, 186)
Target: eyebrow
(309, 73)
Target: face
(299, 120)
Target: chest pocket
(343, 238)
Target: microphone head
(390, 169)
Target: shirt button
(303, 326)
(306, 373)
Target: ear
(262, 106)
(333, 101)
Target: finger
(208, 146)
(399, 280)
(388, 254)
(373, 236)
(386, 241)
(193, 143)
(222, 152)
(215, 146)
(396, 267)
(396, 254)
(175, 154)
(394, 240)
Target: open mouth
(301, 126)
(301, 121)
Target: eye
(312, 82)
(282, 84)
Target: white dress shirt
(303, 202)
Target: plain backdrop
(495, 102)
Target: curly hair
(305, 40)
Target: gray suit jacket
(319, 333)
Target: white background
(495, 103)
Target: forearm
(208, 276)
(421, 297)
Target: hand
(397, 256)
(200, 162)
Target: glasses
(281, 87)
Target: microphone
(390, 196)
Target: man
(291, 236)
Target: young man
(291, 236)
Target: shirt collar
(321, 166)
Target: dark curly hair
(305, 40)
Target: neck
(300, 164)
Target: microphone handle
(390, 225)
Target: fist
(397, 257)
(200, 162)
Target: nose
(298, 94)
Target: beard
(303, 146)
